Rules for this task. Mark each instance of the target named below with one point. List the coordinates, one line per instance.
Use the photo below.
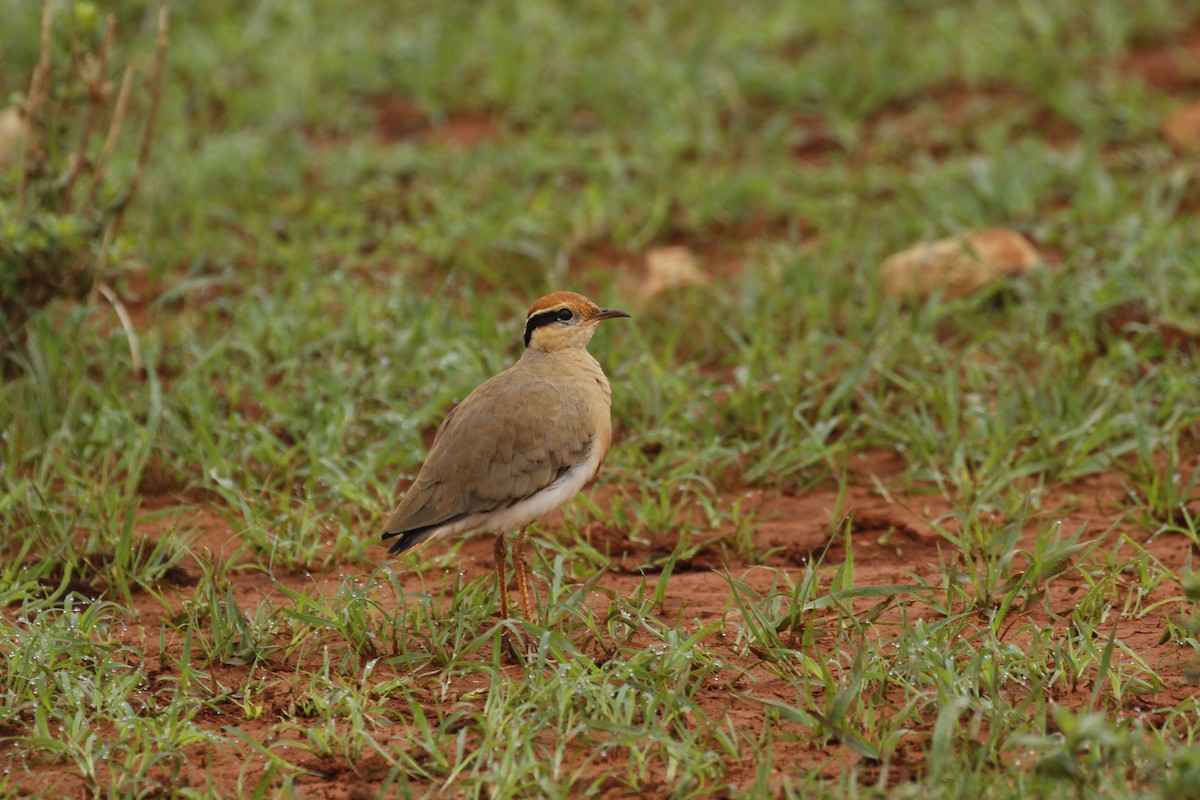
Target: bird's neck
(567, 364)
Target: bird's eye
(564, 315)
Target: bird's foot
(520, 648)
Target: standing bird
(519, 446)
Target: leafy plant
(60, 223)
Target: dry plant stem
(37, 89)
(135, 348)
(154, 88)
(110, 141)
(95, 87)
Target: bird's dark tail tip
(407, 540)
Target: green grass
(193, 593)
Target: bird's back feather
(476, 465)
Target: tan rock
(13, 128)
(1182, 128)
(959, 265)
(669, 268)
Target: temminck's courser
(519, 446)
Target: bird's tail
(409, 540)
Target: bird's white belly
(533, 507)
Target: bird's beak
(608, 313)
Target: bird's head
(564, 319)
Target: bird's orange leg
(501, 577)
(522, 570)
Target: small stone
(13, 129)
(958, 266)
(669, 268)
(1182, 128)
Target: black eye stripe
(544, 318)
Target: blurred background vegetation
(344, 209)
(333, 195)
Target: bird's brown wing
(478, 463)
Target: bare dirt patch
(721, 251)
(402, 119)
(1170, 66)
(895, 539)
